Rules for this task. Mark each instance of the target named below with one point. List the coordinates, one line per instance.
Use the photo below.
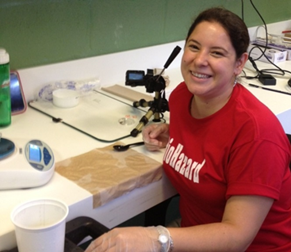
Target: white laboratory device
(25, 164)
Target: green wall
(39, 32)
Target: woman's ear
(240, 63)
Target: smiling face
(209, 63)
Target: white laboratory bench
(67, 142)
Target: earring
(235, 81)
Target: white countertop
(66, 142)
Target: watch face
(163, 239)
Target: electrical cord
(266, 32)
(242, 10)
(277, 71)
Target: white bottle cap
(4, 56)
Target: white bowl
(65, 98)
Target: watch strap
(170, 245)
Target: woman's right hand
(156, 136)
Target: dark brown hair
(233, 24)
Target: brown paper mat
(108, 174)
(127, 93)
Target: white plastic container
(65, 98)
(40, 225)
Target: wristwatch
(165, 239)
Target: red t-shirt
(240, 150)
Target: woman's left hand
(129, 239)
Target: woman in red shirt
(226, 154)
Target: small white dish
(65, 98)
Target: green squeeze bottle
(5, 100)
